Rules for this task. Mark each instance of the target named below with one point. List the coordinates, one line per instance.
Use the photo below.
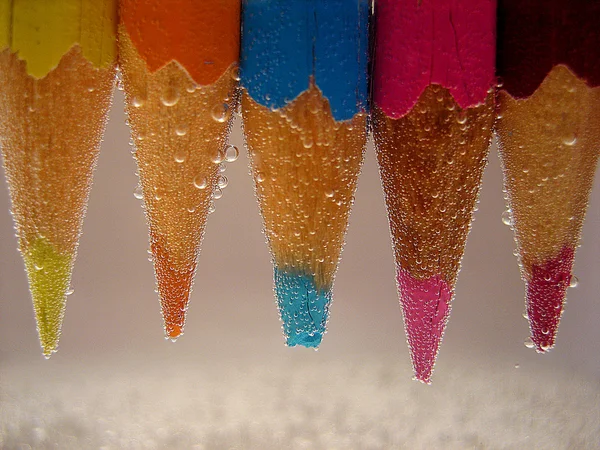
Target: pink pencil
(432, 117)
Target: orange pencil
(57, 67)
(179, 64)
(549, 134)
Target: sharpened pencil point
(426, 307)
(304, 308)
(546, 294)
(49, 274)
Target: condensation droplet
(506, 218)
(180, 155)
(222, 182)
(138, 102)
(200, 182)
(570, 140)
(218, 193)
(260, 177)
(69, 292)
(138, 193)
(220, 112)
(529, 343)
(574, 282)
(170, 96)
(181, 129)
(231, 153)
(329, 193)
(211, 208)
(218, 157)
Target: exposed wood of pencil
(180, 131)
(51, 130)
(431, 162)
(305, 167)
(550, 143)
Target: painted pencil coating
(432, 118)
(57, 66)
(179, 64)
(420, 43)
(304, 105)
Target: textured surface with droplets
(431, 162)
(425, 42)
(51, 130)
(305, 167)
(549, 146)
(41, 32)
(202, 35)
(179, 131)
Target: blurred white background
(116, 383)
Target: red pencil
(549, 133)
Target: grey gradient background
(113, 316)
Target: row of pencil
(305, 75)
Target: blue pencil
(304, 105)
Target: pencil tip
(303, 306)
(49, 274)
(426, 307)
(174, 289)
(546, 293)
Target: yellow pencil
(57, 66)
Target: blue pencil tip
(303, 307)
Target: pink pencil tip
(426, 307)
(546, 294)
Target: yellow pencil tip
(49, 274)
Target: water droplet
(38, 267)
(218, 193)
(545, 330)
(329, 193)
(170, 96)
(138, 193)
(212, 208)
(220, 112)
(462, 117)
(222, 182)
(570, 140)
(517, 366)
(529, 343)
(235, 74)
(260, 177)
(137, 102)
(231, 153)
(574, 282)
(200, 182)
(506, 218)
(181, 129)
(218, 157)
(180, 155)
(69, 292)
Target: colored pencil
(432, 119)
(304, 106)
(179, 62)
(549, 133)
(57, 67)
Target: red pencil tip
(546, 293)
(426, 307)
